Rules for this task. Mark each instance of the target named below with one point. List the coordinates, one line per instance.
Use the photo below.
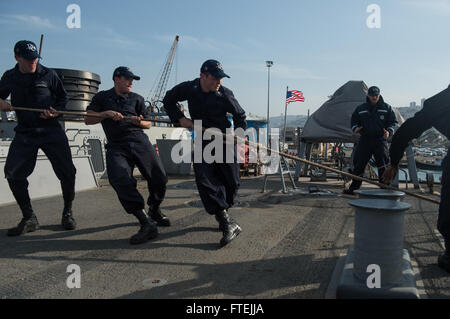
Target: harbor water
(421, 175)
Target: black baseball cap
(125, 72)
(26, 49)
(214, 68)
(373, 90)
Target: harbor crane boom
(159, 88)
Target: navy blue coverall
(435, 113)
(128, 146)
(217, 183)
(40, 90)
(373, 119)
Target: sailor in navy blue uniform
(435, 113)
(128, 146)
(33, 85)
(210, 102)
(375, 121)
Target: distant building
(290, 135)
(412, 104)
(292, 140)
(421, 102)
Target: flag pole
(285, 111)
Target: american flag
(294, 96)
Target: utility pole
(269, 65)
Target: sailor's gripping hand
(186, 123)
(136, 120)
(113, 115)
(5, 106)
(358, 129)
(385, 134)
(389, 174)
(49, 114)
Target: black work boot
(158, 217)
(444, 259)
(147, 231)
(229, 227)
(222, 226)
(26, 225)
(67, 221)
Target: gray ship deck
(289, 247)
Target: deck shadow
(303, 273)
(22, 246)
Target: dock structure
(290, 247)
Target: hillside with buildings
(291, 120)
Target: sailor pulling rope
(293, 157)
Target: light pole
(268, 64)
